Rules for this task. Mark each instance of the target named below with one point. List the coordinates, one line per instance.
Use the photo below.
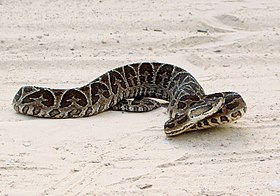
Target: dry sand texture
(227, 44)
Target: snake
(137, 87)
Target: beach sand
(228, 45)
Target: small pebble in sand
(26, 144)
(144, 186)
(75, 170)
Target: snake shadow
(224, 135)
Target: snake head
(177, 125)
(198, 111)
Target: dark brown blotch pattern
(224, 119)
(178, 79)
(199, 124)
(117, 81)
(130, 75)
(46, 95)
(72, 94)
(236, 114)
(214, 120)
(181, 105)
(206, 123)
(214, 95)
(25, 109)
(232, 105)
(230, 97)
(146, 73)
(163, 75)
(98, 90)
(48, 98)
(182, 119)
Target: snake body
(189, 107)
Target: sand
(228, 45)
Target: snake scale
(130, 88)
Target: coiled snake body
(189, 107)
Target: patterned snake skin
(189, 107)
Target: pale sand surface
(65, 44)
